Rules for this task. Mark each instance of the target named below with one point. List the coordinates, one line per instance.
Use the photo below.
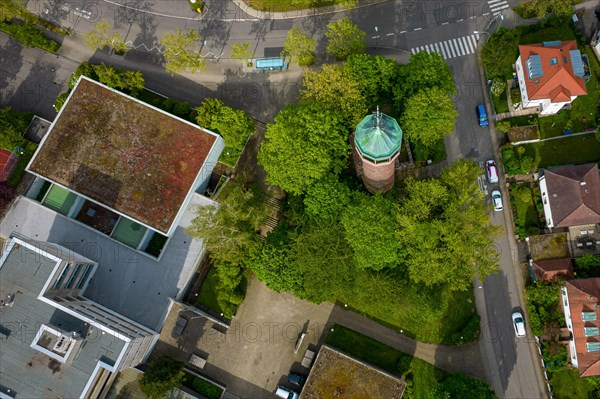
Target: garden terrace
(335, 375)
(124, 154)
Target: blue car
(482, 115)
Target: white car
(491, 171)
(285, 393)
(518, 324)
(497, 200)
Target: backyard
(524, 209)
(567, 384)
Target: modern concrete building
(377, 142)
(121, 166)
(551, 75)
(571, 195)
(54, 341)
(581, 305)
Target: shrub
(161, 376)
(503, 126)
(498, 86)
(60, 101)
(182, 109)
(168, 104)
(29, 35)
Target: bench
(197, 361)
(309, 356)
(180, 325)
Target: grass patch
(201, 386)
(219, 299)
(230, 156)
(500, 103)
(567, 384)
(452, 317)
(422, 376)
(524, 211)
(561, 31)
(29, 35)
(19, 170)
(523, 120)
(291, 5)
(564, 151)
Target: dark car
(296, 379)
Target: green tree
(376, 76)
(116, 78)
(305, 143)
(543, 305)
(423, 71)
(12, 125)
(230, 231)
(459, 385)
(320, 252)
(161, 376)
(242, 52)
(429, 116)
(102, 36)
(273, 265)
(370, 227)
(539, 8)
(344, 38)
(181, 53)
(298, 45)
(335, 88)
(208, 111)
(10, 9)
(500, 52)
(445, 230)
(327, 198)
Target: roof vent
(536, 81)
(554, 195)
(582, 183)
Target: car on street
(497, 200)
(518, 324)
(491, 171)
(286, 393)
(297, 379)
(482, 115)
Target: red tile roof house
(550, 74)
(552, 269)
(122, 166)
(581, 305)
(571, 195)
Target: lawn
(567, 384)
(500, 103)
(291, 5)
(211, 292)
(564, 151)
(525, 214)
(423, 375)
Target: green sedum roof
(378, 137)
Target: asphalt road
(511, 365)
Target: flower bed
(523, 133)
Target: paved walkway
(465, 358)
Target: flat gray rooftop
(125, 281)
(26, 371)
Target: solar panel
(577, 63)
(593, 346)
(534, 66)
(588, 316)
(552, 43)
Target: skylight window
(588, 316)
(590, 331)
(577, 63)
(553, 61)
(534, 66)
(593, 346)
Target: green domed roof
(378, 137)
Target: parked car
(491, 172)
(297, 379)
(518, 324)
(286, 393)
(482, 115)
(497, 200)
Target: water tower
(377, 141)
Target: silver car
(497, 200)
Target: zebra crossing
(451, 48)
(497, 6)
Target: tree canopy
(241, 51)
(423, 71)
(161, 376)
(181, 52)
(327, 198)
(376, 76)
(500, 52)
(370, 228)
(102, 36)
(344, 38)
(429, 116)
(10, 9)
(445, 229)
(305, 143)
(335, 88)
(230, 230)
(539, 8)
(299, 46)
